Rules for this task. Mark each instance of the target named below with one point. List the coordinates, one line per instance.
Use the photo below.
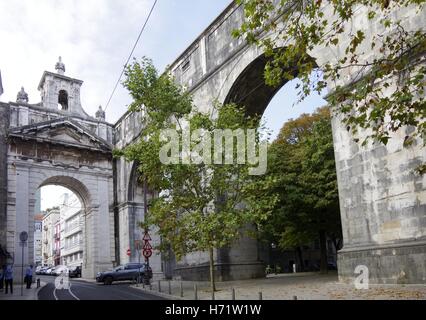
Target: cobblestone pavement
(309, 286)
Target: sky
(95, 38)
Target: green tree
(202, 205)
(398, 64)
(302, 168)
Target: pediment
(62, 131)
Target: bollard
(213, 297)
(260, 296)
(195, 292)
(159, 285)
(181, 289)
(170, 288)
(38, 283)
(233, 294)
(294, 297)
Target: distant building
(38, 238)
(71, 231)
(38, 230)
(57, 243)
(50, 221)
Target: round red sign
(129, 253)
(147, 253)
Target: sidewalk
(309, 286)
(28, 294)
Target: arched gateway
(383, 203)
(56, 143)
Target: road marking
(73, 295)
(54, 294)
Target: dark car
(74, 272)
(128, 272)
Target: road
(88, 290)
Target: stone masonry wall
(4, 125)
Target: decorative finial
(100, 114)
(22, 96)
(60, 66)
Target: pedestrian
(2, 269)
(8, 279)
(29, 276)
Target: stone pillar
(98, 231)
(383, 209)
(21, 223)
(104, 227)
(4, 125)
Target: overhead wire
(130, 55)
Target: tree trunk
(212, 281)
(323, 250)
(300, 257)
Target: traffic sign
(147, 253)
(129, 253)
(23, 236)
(147, 237)
(147, 246)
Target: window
(186, 64)
(63, 100)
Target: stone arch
(71, 183)
(136, 213)
(244, 84)
(94, 191)
(136, 186)
(249, 88)
(132, 182)
(80, 185)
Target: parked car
(38, 270)
(74, 272)
(48, 271)
(58, 270)
(127, 272)
(42, 271)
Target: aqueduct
(383, 203)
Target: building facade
(38, 239)
(38, 231)
(71, 231)
(50, 228)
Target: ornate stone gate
(56, 143)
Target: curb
(42, 285)
(159, 294)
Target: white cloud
(93, 37)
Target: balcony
(72, 248)
(70, 230)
